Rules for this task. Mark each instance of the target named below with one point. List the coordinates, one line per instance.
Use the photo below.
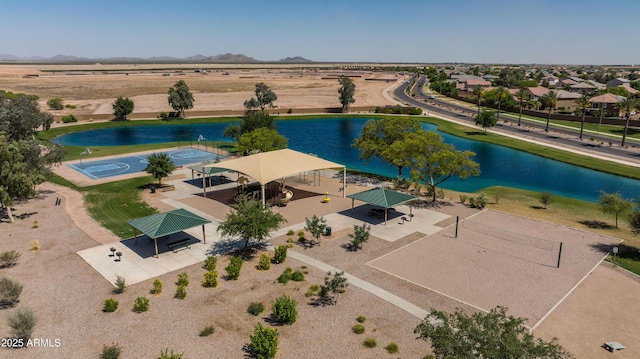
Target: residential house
(567, 100)
(566, 82)
(534, 93)
(471, 84)
(617, 82)
(583, 88)
(551, 80)
(609, 102)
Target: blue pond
(331, 139)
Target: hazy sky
(486, 31)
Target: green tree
(20, 116)
(253, 120)
(334, 284)
(347, 90)
(434, 161)
(250, 220)
(522, 96)
(233, 132)
(261, 140)
(550, 100)
(614, 203)
(159, 166)
(628, 105)
(122, 106)
(284, 310)
(486, 119)
(501, 94)
(584, 102)
(545, 198)
(180, 98)
(360, 235)
(55, 103)
(264, 98)
(378, 136)
(484, 335)
(478, 92)
(634, 222)
(264, 342)
(316, 226)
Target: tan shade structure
(268, 166)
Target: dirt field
(94, 89)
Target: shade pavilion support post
(352, 203)
(385, 215)
(192, 175)
(155, 242)
(204, 184)
(204, 236)
(264, 200)
(344, 184)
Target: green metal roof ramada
(207, 170)
(164, 224)
(382, 197)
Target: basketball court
(137, 163)
(500, 259)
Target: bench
(613, 346)
(182, 243)
(168, 188)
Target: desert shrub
(69, 118)
(264, 342)
(121, 285)
(70, 106)
(309, 293)
(284, 310)
(157, 287)
(545, 198)
(314, 288)
(181, 292)
(9, 258)
(463, 198)
(207, 331)
(210, 263)
(360, 235)
(141, 305)
(110, 351)
(361, 319)
(34, 246)
(285, 276)
(210, 279)
(358, 328)
(10, 291)
(234, 267)
(55, 103)
(300, 233)
(255, 308)
(163, 115)
(183, 279)
(35, 225)
(478, 202)
(264, 263)
(369, 343)
(391, 348)
(22, 322)
(110, 305)
(297, 276)
(290, 232)
(166, 355)
(280, 254)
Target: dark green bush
(55, 103)
(69, 106)
(284, 310)
(210, 279)
(157, 287)
(264, 342)
(183, 280)
(141, 305)
(210, 263)
(110, 351)
(181, 292)
(264, 263)
(285, 276)
(69, 119)
(207, 331)
(358, 328)
(234, 267)
(361, 319)
(10, 291)
(369, 343)
(280, 254)
(391, 348)
(255, 308)
(297, 276)
(110, 305)
(9, 258)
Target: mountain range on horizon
(222, 58)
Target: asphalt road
(532, 130)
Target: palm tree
(478, 92)
(521, 95)
(501, 93)
(550, 99)
(627, 106)
(583, 102)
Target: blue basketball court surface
(132, 164)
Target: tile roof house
(618, 82)
(567, 99)
(609, 102)
(566, 81)
(583, 87)
(536, 92)
(469, 85)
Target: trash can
(327, 231)
(153, 190)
